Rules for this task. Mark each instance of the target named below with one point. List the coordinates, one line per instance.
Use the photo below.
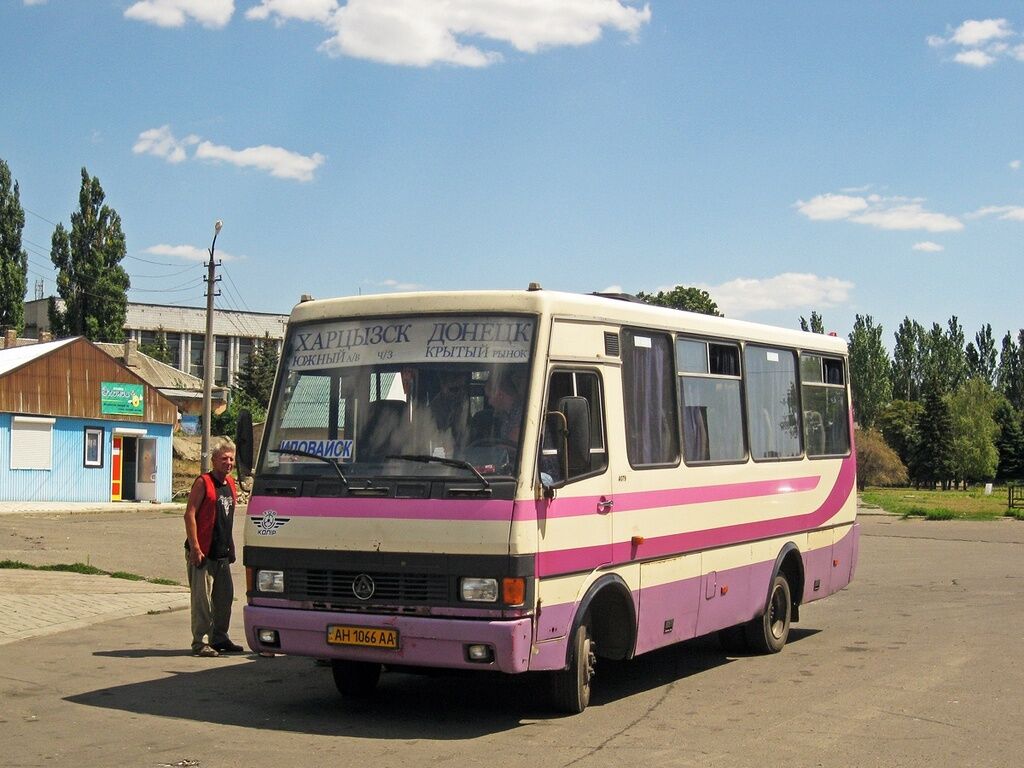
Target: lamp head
(217, 226)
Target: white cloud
(908, 216)
(980, 42)
(1015, 165)
(791, 290)
(1002, 212)
(973, 33)
(877, 211)
(161, 142)
(397, 286)
(35, 2)
(176, 13)
(928, 247)
(300, 10)
(188, 252)
(278, 162)
(829, 207)
(974, 58)
(424, 32)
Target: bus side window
(581, 387)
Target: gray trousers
(212, 594)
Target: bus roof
(536, 301)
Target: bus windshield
(401, 396)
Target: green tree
(1010, 442)
(252, 390)
(877, 463)
(933, 457)
(1010, 373)
(90, 278)
(256, 377)
(981, 356)
(943, 355)
(158, 350)
(815, 325)
(682, 297)
(13, 258)
(975, 431)
(870, 384)
(898, 423)
(907, 360)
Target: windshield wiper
(424, 458)
(326, 459)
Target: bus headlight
(270, 581)
(479, 590)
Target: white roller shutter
(32, 443)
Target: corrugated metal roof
(15, 357)
(152, 370)
(226, 322)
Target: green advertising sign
(121, 399)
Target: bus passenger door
(578, 523)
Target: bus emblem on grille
(363, 586)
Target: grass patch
(939, 505)
(87, 570)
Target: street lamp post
(211, 280)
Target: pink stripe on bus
(398, 509)
(588, 558)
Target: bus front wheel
(769, 632)
(571, 687)
(355, 679)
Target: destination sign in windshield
(411, 340)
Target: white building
(235, 334)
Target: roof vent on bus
(534, 287)
(611, 344)
(305, 297)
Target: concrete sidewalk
(34, 603)
(78, 507)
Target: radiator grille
(330, 586)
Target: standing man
(209, 552)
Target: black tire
(768, 633)
(355, 679)
(570, 688)
(734, 639)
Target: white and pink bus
(530, 481)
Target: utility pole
(211, 280)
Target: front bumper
(424, 642)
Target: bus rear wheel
(355, 679)
(570, 688)
(768, 633)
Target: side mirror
(243, 443)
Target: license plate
(370, 637)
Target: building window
(32, 442)
(220, 359)
(197, 355)
(93, 453)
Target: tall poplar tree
(870, 384)
(981, 356)
(13, 258)
(933, 459)
(907, 361)
(815, 325)
(1010, 373)
(90, 278)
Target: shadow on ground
(297, 695)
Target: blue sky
(786, 156)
